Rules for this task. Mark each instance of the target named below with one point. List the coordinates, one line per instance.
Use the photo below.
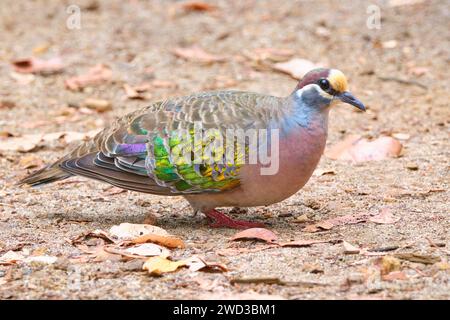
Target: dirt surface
(135, 39)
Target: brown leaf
(99, 254)
(135, 92)
(322, 172)
(296, 68)
(11, 257)
(35, 65)
(384, 217)
(165, 240)
(99, 105)
(338, 221)
(96, 75)
(198, 263)
(302, 219)
(7, 104)
(356, 149)
(197, 6)
(197, 54)
(256, 233)
(156, 266)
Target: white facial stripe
(319, 90)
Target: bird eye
(324, 84)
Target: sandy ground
(132, 36)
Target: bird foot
(221, 220)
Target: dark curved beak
(347, 97)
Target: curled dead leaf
(148, 250)
(256, 233)
(40, 66)
(356, 149)
(197, 54)
(165, 240)
(99, 105)
(350, 249)
(384, 217)
(296, 68)
(197, 6)
(96, 75)
(198, 263)
(338, 221)
(131, 231)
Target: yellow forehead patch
(338, 80)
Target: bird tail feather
(45, 175)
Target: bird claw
(221, 220)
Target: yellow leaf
(159, 265)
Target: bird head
(320, 88)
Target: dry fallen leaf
(30, 142)
(349, 248)
(198, 263)
(96, 75)
(384, 217)
(338, 221)
(197, 54)
(357, 149)
(99, 105)
(11, 257)
(296, 68)
(135, 92)
(197, 6)
(25, 143)
(130, 231)
(35, 65)
(158, 265)
(302, 219)
(322, 172)
(7, 104)
(148, 250)
(256, 233)
(165, 240)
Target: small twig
(404, 81)
(384, 249)
(276, 281)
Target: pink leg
(222, 220)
